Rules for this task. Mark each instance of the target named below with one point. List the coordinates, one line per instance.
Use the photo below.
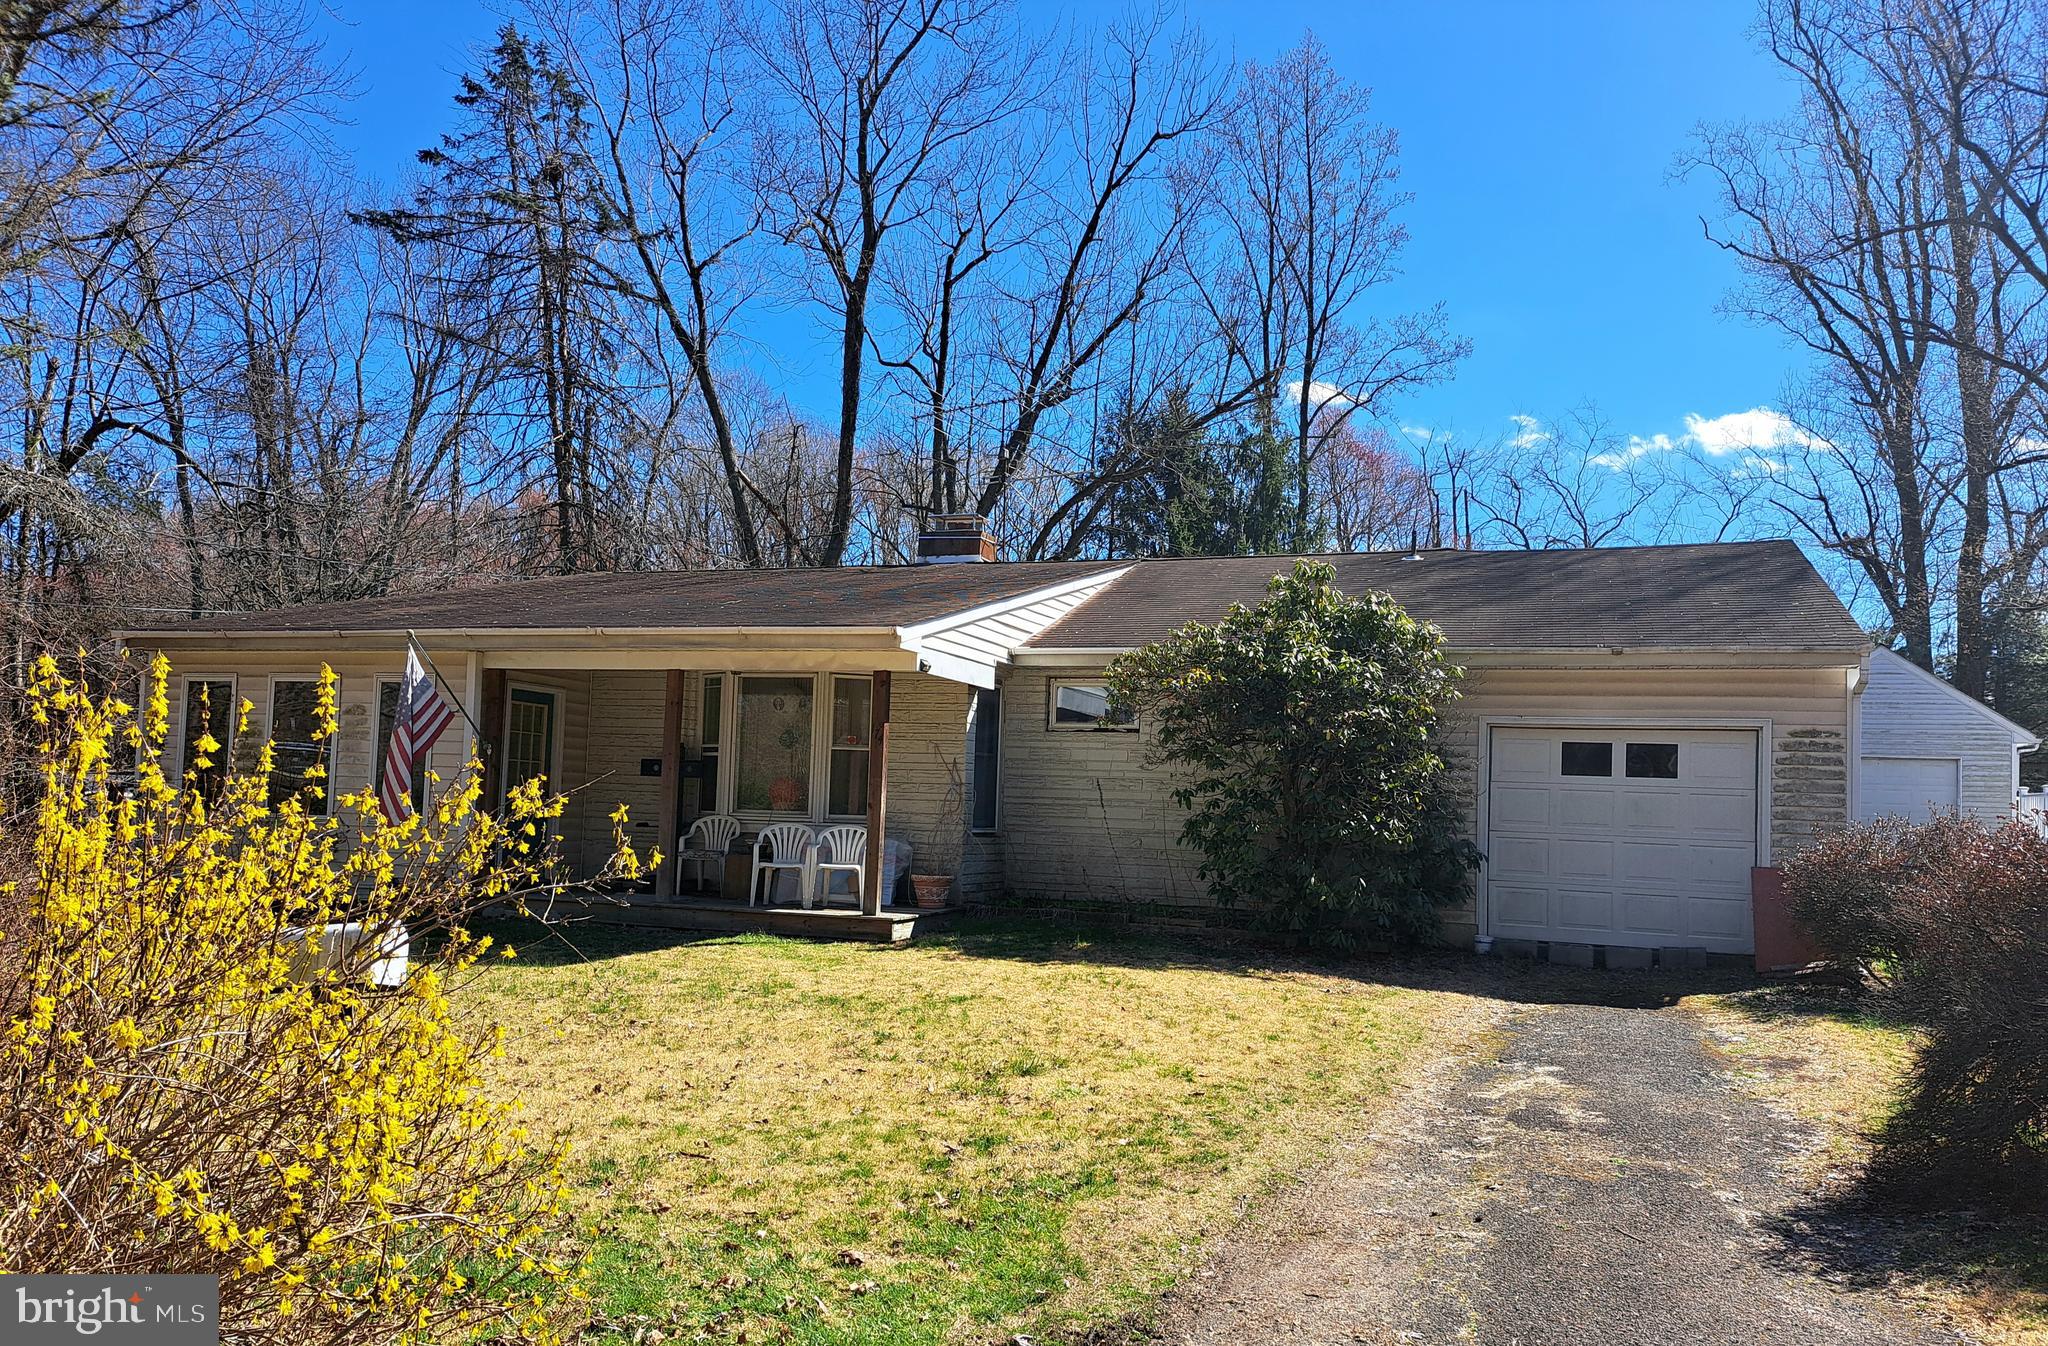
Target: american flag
(420, 718)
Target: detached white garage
(1923, 747)
(1629, 836)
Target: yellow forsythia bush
(189, 1086)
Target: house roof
(1710, 596)
(870, 597)
(1737, 596)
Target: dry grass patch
(996, 1130)
(1816, 1052)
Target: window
(847, 789)
(985, 783)
(380, 747)
(1085, 705)
(209, 709)
(1651, 761)
(712, 722)
(1587, 759)
(529, 737)
(773, 769)
(293, 722)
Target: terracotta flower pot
(933, 890)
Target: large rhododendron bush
(199, 1073)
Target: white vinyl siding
(1906, 716)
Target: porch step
(896, 925)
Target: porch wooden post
(666, 819)
(871, 894)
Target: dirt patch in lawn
(996, 1131)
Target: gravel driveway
(1597, 1180)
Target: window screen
(1085, 705)
(773, 762)
(852, 705)
(294, 720)
(209, 709)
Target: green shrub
(1303, 729)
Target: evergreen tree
(514, 194)
(1189, 493)
(2016, 667)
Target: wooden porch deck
(895, 925)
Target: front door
(529, 738)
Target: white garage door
(1642, 837)
(1913, 788)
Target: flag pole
(412, 642)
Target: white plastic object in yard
(343, 941)
(895, 864)
(705, 843)
(787, 846)
(841, 850)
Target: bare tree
(1308, 228)
(667, 82)
(1866, 223)
(877, 104)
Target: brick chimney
(955, 537)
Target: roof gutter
(503, 635)
(1052, 654)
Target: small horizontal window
(1085, 705)
(1651, 761)
(1587, 759)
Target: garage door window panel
(1651, 761)
(1586, 759)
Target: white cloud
(1417, 431)
(1757, 430)
(1637, 447)
(1754, 435)
(1322, 395)
(1529, 432)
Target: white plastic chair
(705, 843)
(841, 850)
(787, 846)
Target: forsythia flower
(197, 1078)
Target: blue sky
(1538, 140)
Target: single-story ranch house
(1644, 730)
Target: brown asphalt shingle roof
(1714, 596)
(1718, 596)
(873, 596)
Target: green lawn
(989, 1132)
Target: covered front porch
(787, 790)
